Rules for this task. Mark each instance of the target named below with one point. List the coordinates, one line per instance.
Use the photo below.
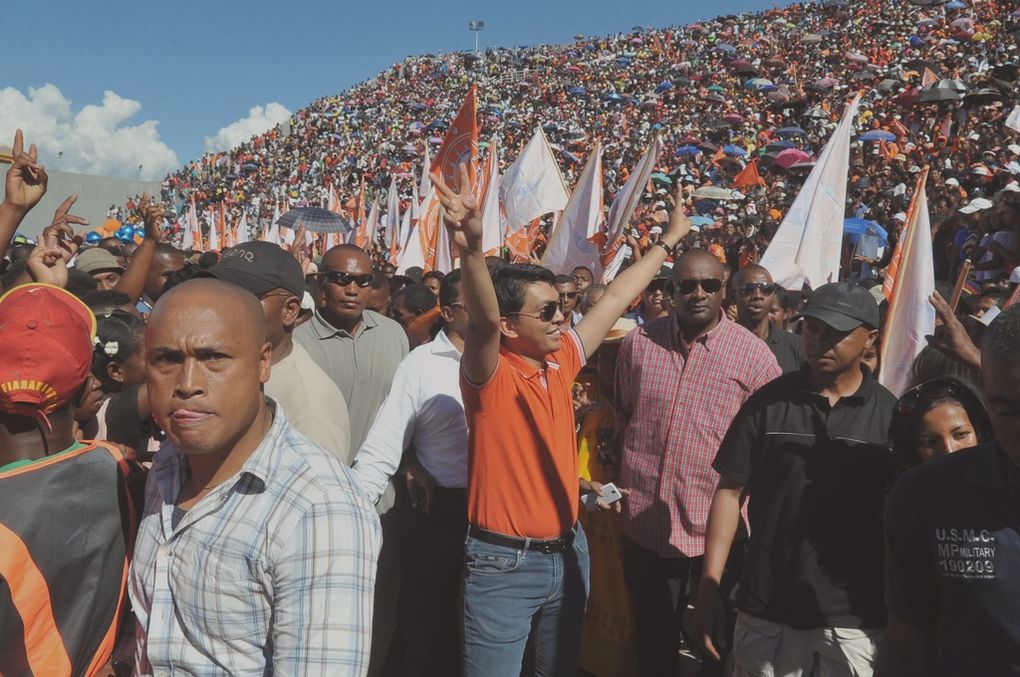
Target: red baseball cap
(48, 336)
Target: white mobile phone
(610, 495)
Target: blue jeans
(517, 599)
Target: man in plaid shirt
(680, 380)
(256, 553)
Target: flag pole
(960, 281)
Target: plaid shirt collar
(171, 464)
(707, 339)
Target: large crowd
(306, 459)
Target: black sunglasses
(568, 295)
(750, 287)
(930, 391)
(710, 285)
(344, 279)
(546, 313)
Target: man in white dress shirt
(424, 415)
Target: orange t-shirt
(522, 450)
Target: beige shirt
(313, 403)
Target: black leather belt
(547, 546)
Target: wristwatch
(665, 247)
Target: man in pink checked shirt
(680, 380)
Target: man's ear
(291, 310)
(507, 327)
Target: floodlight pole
(476, 27)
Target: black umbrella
(983, 96)
(1005, 71)
(314, 219)
(938, 95)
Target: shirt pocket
(217, 596)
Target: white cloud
(97, 139)
(259, 120)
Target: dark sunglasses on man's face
(344, 279)
(750, 287)
(710, 285)
(569, 295)
(546, 313)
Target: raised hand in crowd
(951, 337)
(132, 282)
(46, 265)
(300, 249)
(59, 233)
(25, 185)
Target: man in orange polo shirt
(526, 571)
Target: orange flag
(517, 243)
(428, 229)
(748, 176)
(460, 145)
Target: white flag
(1013, 119)
(190, 226)
(405, 230)
(392, 212)
(444, 257)
(214, 233)
(627, 199)
(569, 245)
(807, 246)
(273, 235)
(412, 255)
(532, 186)
(910, 316)
(493, 226)
(372, 225)
(242, 228)
(426, 182)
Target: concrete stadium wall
(95, 195)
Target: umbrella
(577, 91)
(687, 150)
(661, 179)
(860, 58)
(983, 96)
(717, 193)
(888, 85)
(806, 165)
(735, 150)
(877, 135)
(774, 63)
(418, 106)
(817, 113)
(416, 126)
(824, 83)
(733, 118)
(811, 38)
(758, 83)
(790, 157)
(663, 87)
(955, 5)
(314, 219)
(708, 147)
(943, 90)
(725, 47)
(613, 96)
(410, 149)
(701, 221)
(779, 146)
(716, 124)
(858, 227)
(716, 88)
(714, 98)
(790, 132)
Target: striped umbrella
(314, 219)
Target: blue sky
(196, 68)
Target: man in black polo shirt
(811, 452)
(755, 293)
(952, 546)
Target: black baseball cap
(844, 306)
(260, 267)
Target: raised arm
(132, 282)
(24, 186)
(628, 284)
(464, 220)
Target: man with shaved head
(755, 292)
(257, 551)
(360, 350)
(680, 380)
